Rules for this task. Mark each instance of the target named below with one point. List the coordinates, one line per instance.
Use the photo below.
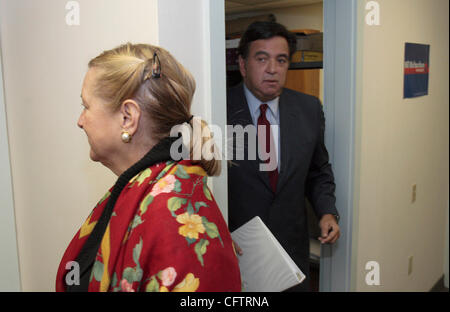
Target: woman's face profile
(100, 123)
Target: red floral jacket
(166, 234)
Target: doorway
(330, 265)
(305, 72)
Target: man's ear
(130, 112)
(242, 66)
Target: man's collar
(254, 103)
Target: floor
(314, 280)
(439, 287)
(314, 270)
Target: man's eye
(261, 59)
(282, 61)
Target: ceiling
(239, 6)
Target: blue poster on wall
(417, 64)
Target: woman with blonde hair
(158, 228)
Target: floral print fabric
(166, 234)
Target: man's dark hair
(265, 30)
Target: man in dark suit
(302, 168)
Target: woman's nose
(80, 121)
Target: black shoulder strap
(86, 258)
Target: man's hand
(329, 229)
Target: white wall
(55, 183)
(44, 60)
(403, 142)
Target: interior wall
(55, 184)
(403, 142)
(301, 17)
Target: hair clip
(156, 66)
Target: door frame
(9, 262)
(200, 26)
(340, 92)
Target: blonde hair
(126, 73)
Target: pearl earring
(126, 137)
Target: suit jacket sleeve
(320, 186)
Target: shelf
(306, 65)
(231, 68)
(301, 65)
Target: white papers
(232, 43)
(265, 265)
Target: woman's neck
(127, 157)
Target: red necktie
(262, 120)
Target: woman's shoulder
(169, 184)
(180, 191)
(183, 170)
(179, 221)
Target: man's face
(264, 71)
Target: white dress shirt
(272, 115)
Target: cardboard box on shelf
(297, 57)
(312, 56)
(307, 56)
(312, 42)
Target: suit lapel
(288, 129)
(239, 114)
